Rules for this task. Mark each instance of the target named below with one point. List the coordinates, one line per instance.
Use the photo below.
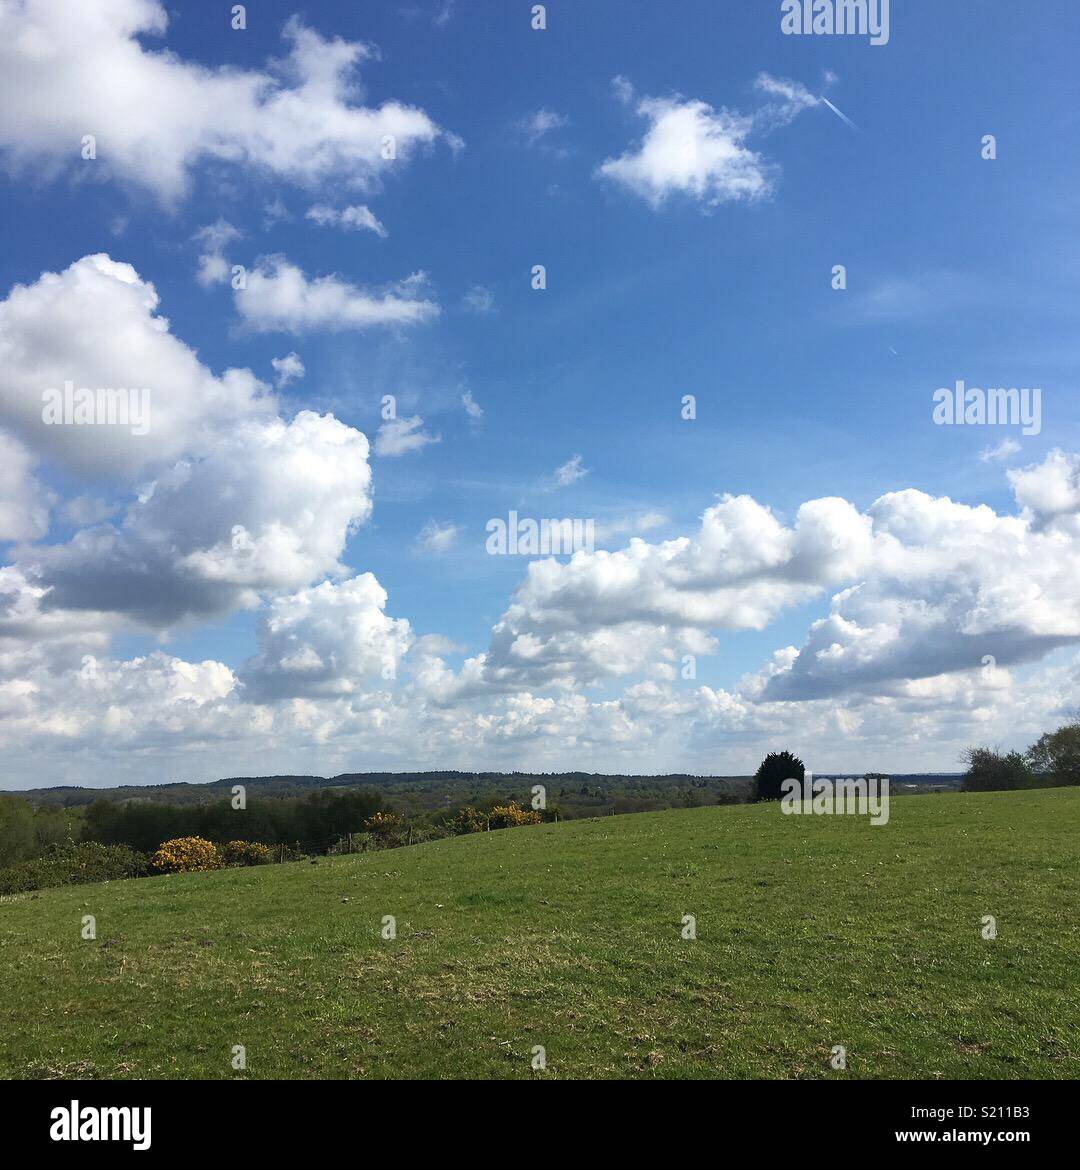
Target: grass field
(811, 932)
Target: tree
(1057, 754)
(992, 771)
(773, 771)
(18, 841)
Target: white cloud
(1001, 450)
(569, 472)
(358, 218)
(608, 613)
(472, 408)
(1049, 491)
(787, 99)
(399, 436)
(24, 505)
(692, 149)
(329, 640)
(71, 70)
(267, 507)
(436, 538)
(279, 297)
(96, 325)
(215, 238)
(287, 369)
(537, 126)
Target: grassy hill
(812, 932)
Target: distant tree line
(316, 820)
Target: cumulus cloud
(948, 585)
(1050, 490)
(399, 436)
(691, 149)
(926, 587)
(329, 640)
(67, 71)
(267, 507)
(280, 298)
(95, 325)
(24, 504)
(353, 219)
(604, 614)
(897, 672)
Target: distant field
(812, 932)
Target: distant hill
(456, 784)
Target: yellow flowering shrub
(468, 820)
(186, 855)
(509, 816)
(383, 825)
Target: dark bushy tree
(991, 771)
(773, 771)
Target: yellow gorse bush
(384, 824)
(468, 820)
(187, 855)
(509, 816)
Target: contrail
(840, 114)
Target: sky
(377, 275)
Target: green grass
(812, 932)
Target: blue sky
(957, 268)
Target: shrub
(468, 820)
(510, 815)
(73, 865)
(384, 822)
(245, 853)
(991, 771)
(186, 855)
(386, 830)
(773, 771)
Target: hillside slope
(811, 932)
